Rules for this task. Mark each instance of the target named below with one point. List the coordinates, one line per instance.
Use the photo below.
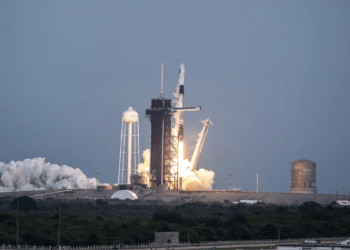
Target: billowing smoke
(22, 175)
(200, 179)
(191, 181)
(143, 168)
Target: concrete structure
(343, 202)
(127, 186)
(303, 177)
(104, 187)
(139, 179)
(54, 193)
(227, 197)
(224, 197)
(314, 245)
(167, 237)
(129, 157)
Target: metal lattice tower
(171, 166)
(129, 157)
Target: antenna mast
(161, 83)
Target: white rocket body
(180, 103)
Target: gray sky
(273, 76)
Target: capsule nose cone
(182, 67)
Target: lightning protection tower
(129, 156)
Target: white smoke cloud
(143, 168)
(22, 175)
(200, 179)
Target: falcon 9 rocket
(180, 103)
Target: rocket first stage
(180, 104)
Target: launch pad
(224, 197)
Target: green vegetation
(105, 222)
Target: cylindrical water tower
(303, 177)
(129, 157)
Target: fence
(268, 242)
(235, 243)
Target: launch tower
(163, 168)
(164, 146)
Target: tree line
(103, 223)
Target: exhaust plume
(196, 180)
(22, 175)
(143, 168)
(192, 179)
